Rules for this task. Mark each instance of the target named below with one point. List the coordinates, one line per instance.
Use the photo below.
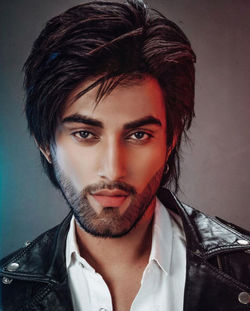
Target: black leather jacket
(217, 275)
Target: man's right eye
(86, 135)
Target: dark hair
(114, 42)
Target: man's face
(109, 160)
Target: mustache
(110, 186)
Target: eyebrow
(148, 120)
(78, 118)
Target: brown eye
(139, 135)
(84, 134)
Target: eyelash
(86, 139)
(142, 140)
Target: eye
(84, 135)
(140, 136)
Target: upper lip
(111, 193)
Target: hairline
(130, 79)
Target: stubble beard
(109, 223)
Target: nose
(112, 161)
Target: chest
(123, 292)
(148, 289)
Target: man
(110, 94)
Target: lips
(111, 198)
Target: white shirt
(163, 280)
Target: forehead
(126, 102)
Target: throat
(120, 261)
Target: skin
(115, 155)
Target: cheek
(76, 165)
(147, 164)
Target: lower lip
(114, 201)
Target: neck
(132, 248)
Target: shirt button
(244, 298)
(103, 309)
(12, 266)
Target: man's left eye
(140, 136)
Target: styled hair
(113, 43)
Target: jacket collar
(205, 236)
(44, 259)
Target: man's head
(114, 63)
(112, 155)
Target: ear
(45, 152)
(170, 149)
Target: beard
(109, 222)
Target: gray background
(216, 163)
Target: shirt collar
(72, 250)
(71, 244)
(162, 238)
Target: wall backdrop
(215, 164)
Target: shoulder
(207, 231)
(43, 240)
(32, 271)
(212, 242)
